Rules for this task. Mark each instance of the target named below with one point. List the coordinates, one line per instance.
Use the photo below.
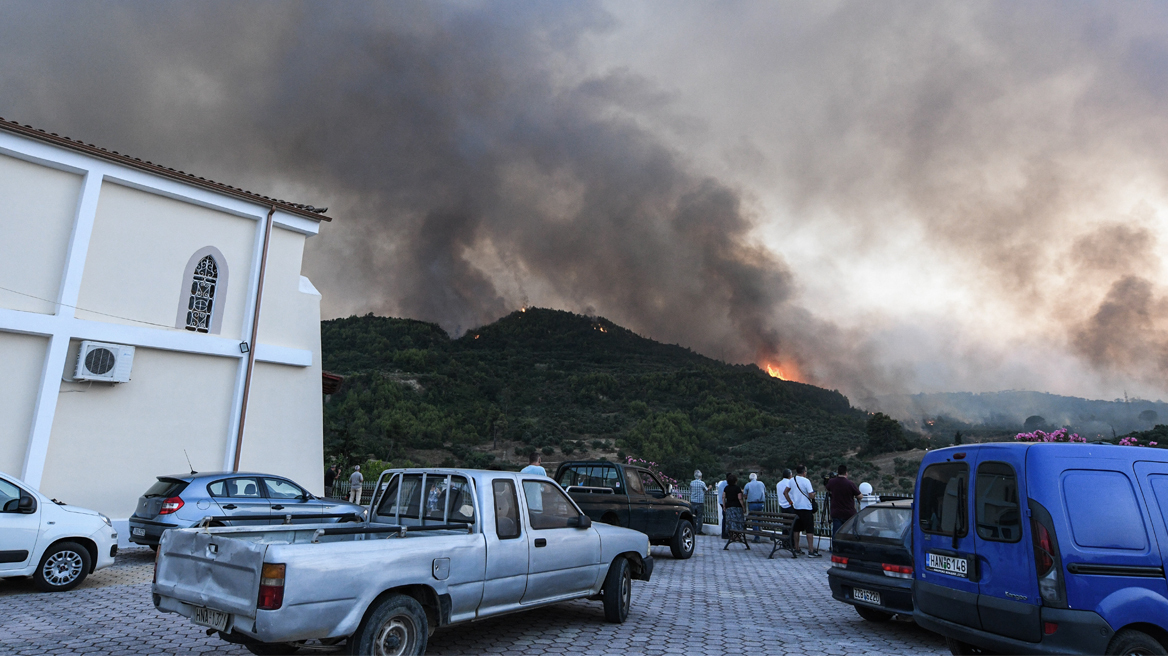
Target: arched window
(204, 289)
(202, 302)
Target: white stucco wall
(36, 220)
(285, 425)
(109, 442)
(286, 318)
(140, 247)
(23, 356)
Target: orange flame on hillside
(774, 371)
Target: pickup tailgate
(205, 569)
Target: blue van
(1043, 548)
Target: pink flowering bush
(1059, 435)
(1132, 441)
(652, 466)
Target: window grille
(201, 305)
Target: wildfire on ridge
(776, 372)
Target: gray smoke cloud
(684, 174)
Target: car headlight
(106, 520)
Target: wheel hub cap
(62, 568)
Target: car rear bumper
(895, 594)
(1079, 632)
(148, 532)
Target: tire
(683, 542)
(618, 591)
(396, 626)
(1130, 641)
(958, 648)
(873, 615)
(273, 648)
(63, 567)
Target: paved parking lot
(718, 602)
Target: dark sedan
(872, 563)
(231, 499)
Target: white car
(58, 545)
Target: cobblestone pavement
(718, 602)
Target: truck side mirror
(583, 521)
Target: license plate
(947, 565)
(138, 531)
(210, 617)
(866, 596)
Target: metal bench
(772, 526)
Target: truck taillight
(897, 571)
(839, 560)
(171, 505)
(271, 587)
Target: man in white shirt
(781, 488)
(800, 492)
(721, 520)
(534, 465)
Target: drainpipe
(255, 328)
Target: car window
(942, 493)
(1103, 510)
(236, 488)
(651, 485)
(634, 479)
(878, 524)
(547, 505)
(506, 510)
(9, 497)
(996, 503)
(461, 507)
(281, 489)
(165, 488)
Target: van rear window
(996, 501)
(1103, 510)
(942, 499)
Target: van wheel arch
(1135, 631)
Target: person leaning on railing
(697, 498)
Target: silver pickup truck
(440, 547)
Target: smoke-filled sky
(877, 197)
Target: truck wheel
(682, 544)
(1130, 641)
(873, 615)
(63, 567)
(618, 591)
(395, 627)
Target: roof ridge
(300, 209)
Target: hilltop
(571, 386)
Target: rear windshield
(444, 496)
(165, 487)
(943, 499)
(590, 476)
(878, 524)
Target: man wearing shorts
(799, 493)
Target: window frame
(633, 481)
(259, 486)
(977, 507)
(963, 510)
(222, 278)
(556, 489)
(507, 483)
(268, 492)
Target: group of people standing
(796, 495)
(356, 481)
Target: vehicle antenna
(189, 462)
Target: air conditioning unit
(108, 363)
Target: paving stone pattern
(718, 602)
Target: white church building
(145, 312)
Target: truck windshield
(940, 495)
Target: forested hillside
(571, 386)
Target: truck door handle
(230, 506)
(277, 507)
(540, 542)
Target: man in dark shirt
(843, 494)
(330, 475)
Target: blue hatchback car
(1043, 548)
(231, 499)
